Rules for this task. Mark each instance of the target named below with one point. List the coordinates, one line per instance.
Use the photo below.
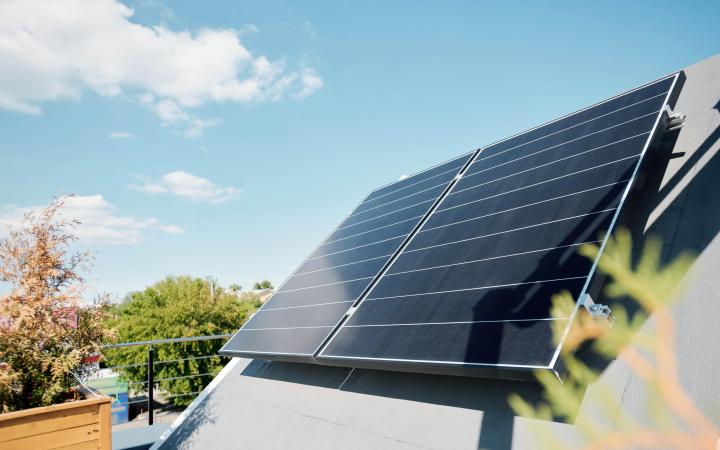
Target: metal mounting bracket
(597, 310)
(674, 119)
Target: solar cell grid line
(454, 165)
(303, 311)
(649, 91)
(470, 292)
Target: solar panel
(470, 292)
(307, 307)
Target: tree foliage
(265, 284)
(176, 307)
(649, 352)
(48, 331)
(235, 288)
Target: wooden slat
(105, 420)
(87, 445)
(51, 408)
(55, 439)
(46, 423)
(82, 424)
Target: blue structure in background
(118, 390)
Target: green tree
(176, 307)
(235, 288)
(265, 284)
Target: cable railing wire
(185, 394)
(167, 361)
(168, 341)
(129, 403)
(151, 381)
(157, 380)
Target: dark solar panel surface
(473, 286)
(294, 322)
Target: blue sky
(228, 138)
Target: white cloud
(58, 50)
(310, 81)
(120, 135)
(171, 229)
(157, 7)
(99, 223)
(186, 185)
(197, 126)
(248, 28)
(150, 188)
(309, 29)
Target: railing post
(150, 385)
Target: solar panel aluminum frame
(592, 282)
(310, 357)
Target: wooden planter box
(82, 424)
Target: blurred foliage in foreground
(172, 308)
(649, 353)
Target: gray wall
(259, 404)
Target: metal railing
(150, 363)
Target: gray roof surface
(260, 404)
